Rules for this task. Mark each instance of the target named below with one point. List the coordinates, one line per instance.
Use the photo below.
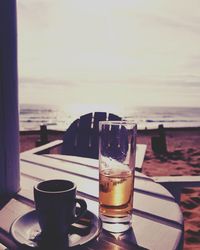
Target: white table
(157, 218)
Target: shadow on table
(127, 240)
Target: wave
(32, 116)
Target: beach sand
(183, 158)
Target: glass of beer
(117, 152)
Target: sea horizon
(150, 117)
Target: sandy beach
(182, 158)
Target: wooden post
(43, 136)
(159, 145)
(163, 144)
(9, 116)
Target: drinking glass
(117, 152)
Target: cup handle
(81, 210)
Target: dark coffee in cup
(55, 202)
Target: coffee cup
(55, 202)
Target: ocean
(57, 118)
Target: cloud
(43, 81)
(136, 45)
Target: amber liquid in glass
(116, 192)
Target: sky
(109, 52)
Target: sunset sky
(109, 52)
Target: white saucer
(25, 230)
